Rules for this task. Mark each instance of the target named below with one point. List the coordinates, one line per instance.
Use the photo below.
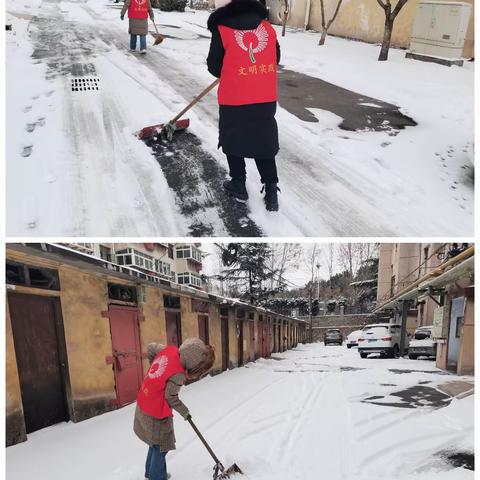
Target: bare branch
(335, 14)
(398, 7)
(322, 8)
(380, 2)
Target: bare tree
(285, 256)
(327, 24)
(329, 255)
(312, 257)
(286, 11)
(390, 16)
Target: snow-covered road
(310, 413)
(75, 168)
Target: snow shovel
(168, 129)
(159, 38)
(219, 471)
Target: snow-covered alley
(313, 412)
(75, 168)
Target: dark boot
(236, 188)
(271, 197)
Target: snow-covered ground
(301, 415)
(74, 166)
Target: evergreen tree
(248, 269)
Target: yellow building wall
(215, 336)
(88, 341)
(189, 319)
(15, 424)
(152, 327)
(362, 20)
(232, 339)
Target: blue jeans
(133, 42)
(156, 466)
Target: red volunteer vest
(138, 9)
(151, 397)
(249, 72)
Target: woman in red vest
(138, 13)
(244, 54)
(169, 368)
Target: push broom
(167, 130)
(219, 471)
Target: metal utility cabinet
(439, 32)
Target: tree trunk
(285, 18)
(387, 37)
(323, 37)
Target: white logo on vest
(260, 34)
(158, 367)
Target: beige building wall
(361, 20)
(384, 271)
(152, 326)
(232, 339)
(15, 424)
(214, 327)
(88, 341)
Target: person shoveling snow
(244, 54)
(169, 368)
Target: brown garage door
(38, 337)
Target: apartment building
(180, 263)
(432, 284)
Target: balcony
(189, 279)
(189, 253)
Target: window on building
(106, 253)
(170, 251)
(124, 293)
(392, 285)
(189, 252)
(188, 278)
(183, 252)
(135, 258)
(20, 274)
(171, 301)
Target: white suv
(383, 338)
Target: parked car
(333, 335)
(352, 338)
(382, 338)
(422, 344)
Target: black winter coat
(244, 130)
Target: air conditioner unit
(439, 32)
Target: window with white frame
(132, 257)
(189, 252)
(188, 278)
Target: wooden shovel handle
(196, 99)
(207, 446)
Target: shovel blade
(229, 472)
(155, 130)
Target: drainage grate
(85, 83)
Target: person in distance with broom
(244, 53)
(138, 13)
(169, 368)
